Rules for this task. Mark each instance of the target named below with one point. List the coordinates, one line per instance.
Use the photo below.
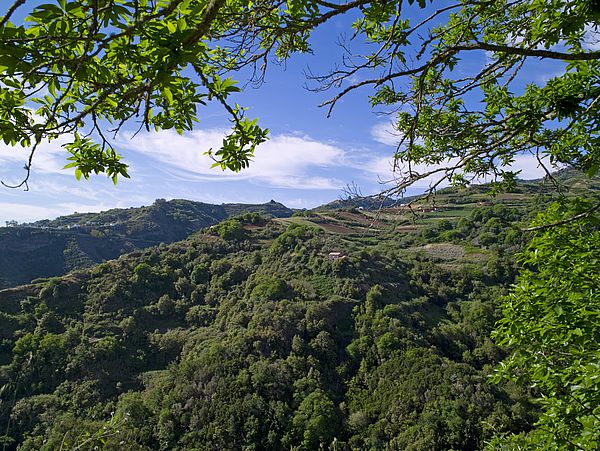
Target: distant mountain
(53, 247)
(570, 181)
(366, 203)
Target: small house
(336, 255)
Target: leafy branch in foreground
(551, 321)
(85, 69)
(457, 84)
(455, 78)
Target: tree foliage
(552, 322)
(217, 344)
(72, 67)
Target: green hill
(359, 329)
(53, 247)
(525, 193)
(346, 329)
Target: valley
(341, 328)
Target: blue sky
(308, 160)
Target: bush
(200, 315)
(274, 289)
(231, 230)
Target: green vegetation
(231, 230)
(368, 342)
(342, 329)
(349, 330)
(53, 247)
(249, 335)
(552, 322)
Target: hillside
(353, 329)
(53, 247)
(568, 182)
(347, 330)
(50, 248)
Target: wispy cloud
(285, 161)
(27, 212)
(385, 133)
(50, 156)
(530, 167)
(591, 38)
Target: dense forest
(332, 329)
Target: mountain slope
(53, 247)
(345, 330)
(291, 334)
(570, 182)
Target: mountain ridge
(49, 248)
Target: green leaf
(168, 95)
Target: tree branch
(551, 54)
(582, 215)
(11, 11)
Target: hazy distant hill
(53, 247)
(571, 181)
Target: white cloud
(50, 157)
(283, 161)
(385, 133)
(530, 167)
(382, 167)
(52, 187)
(513, 39)
(26, 212)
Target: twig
(11, 11)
